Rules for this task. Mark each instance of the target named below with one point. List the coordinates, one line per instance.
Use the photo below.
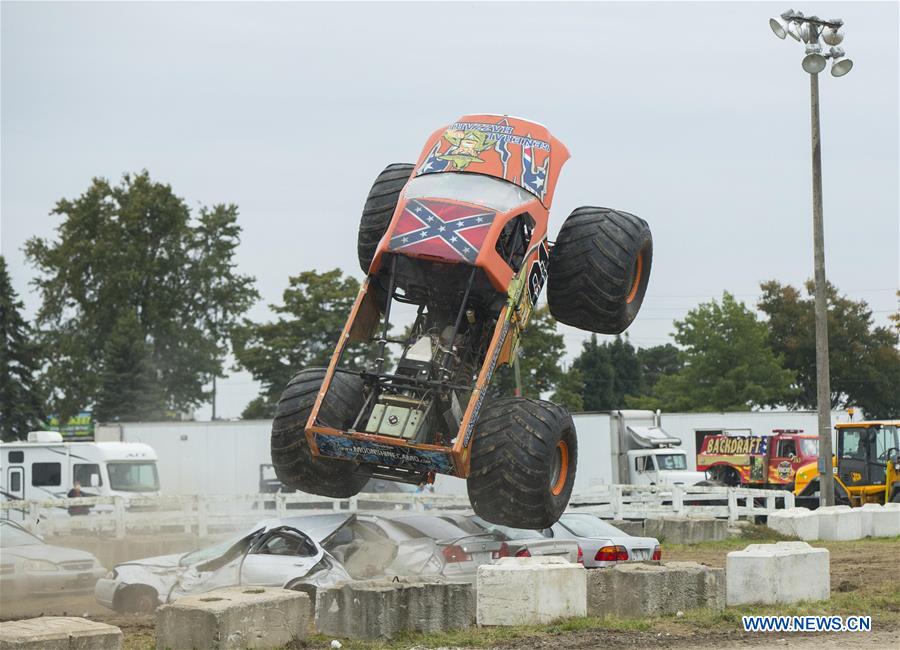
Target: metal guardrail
(203, 514)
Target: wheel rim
(560, 469)
(638, 274)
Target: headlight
(39, 565)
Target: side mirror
(95, 480)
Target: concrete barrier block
(638, 589)
(880, 521)
(59, 633)
(382, 609)
(786, 572)
(839, 523)
(795, 522)
(233, 617)
(521, 591)
(686, 530)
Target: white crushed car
(285, 553)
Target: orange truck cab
(768, 460)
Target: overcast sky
(691, 115)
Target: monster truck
(460, 239)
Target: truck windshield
(473, 188)
(809, 447)
(133, 477)
(671, 461)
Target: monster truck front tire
(379, 208)
(295, 465)
(599, 270)
(524, 455)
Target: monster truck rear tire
(379, 208)
(599, 270)
(295, 466)
(524, 455)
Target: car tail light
(657, 553)
(523, 552)
(503, 552)
(612, 554)
(455, 553)
(580, 558)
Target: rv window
(82, 473)
(17, 457)
(49, 474)
(15, 482)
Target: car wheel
(524, 456)
(295, 466)
(599, 270)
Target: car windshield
(809, 447)
(14, 536)
(133, 477)
(671, 461)
(584, 525)
(473, 188)
(511, 533)
(212, 552)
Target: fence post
(202, 516)
(678, 500)
(789, 499)
(770, 503)
(354, 507)
(34, 516)
(188, 515)
(119, 505)
(615, 497)
(732, 505)
(280, 505)
(336, 505)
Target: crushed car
(274, 553)
(601, 543)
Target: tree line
(142, 304)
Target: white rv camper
(45, 467)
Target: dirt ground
(858, 570)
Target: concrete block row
(59, 633)
(381, 609)
(838, 523)
(786, 572)
(637, 589)
(233, 617)
(677, 530)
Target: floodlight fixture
(831, 36)
(813, 63)
(777, 28)
(840, 68)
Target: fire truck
(763, 460)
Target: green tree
(658, 361)
(540, 351)
(134, 248)
(864, 360)
(21, 398)
(310, 320)
(611, 371)
(569, 390)
(729, 365)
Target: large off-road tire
(524, 455)
(599, 270)
(379, 208)
(295, 466)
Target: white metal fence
(203, 514)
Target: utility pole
(809, 31)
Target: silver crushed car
(521, 542)
(275, 553)
(602, 544)
(28, 566)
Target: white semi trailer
(644, 454)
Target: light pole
(809, 31)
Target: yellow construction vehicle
(866, 464)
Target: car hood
(55, 554)
(162, 563)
